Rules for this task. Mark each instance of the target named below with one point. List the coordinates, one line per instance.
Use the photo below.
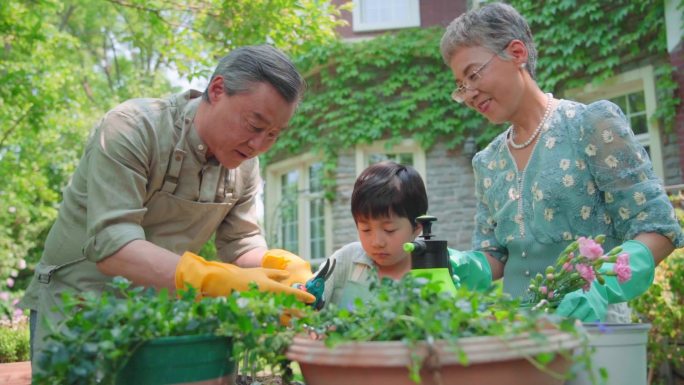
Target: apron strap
(44, 272)
(171, 177)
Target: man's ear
(517, 50)
(216, 88)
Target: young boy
(386, 200)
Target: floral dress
(587, 175)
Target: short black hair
(388, 187)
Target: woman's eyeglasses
(470, 83)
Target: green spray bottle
(430, 257)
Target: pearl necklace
(511, 131)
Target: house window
(298, 218)
(634, 92)
(288, 233)
(406, 152)
(372, 15)
(634, 107)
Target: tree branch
(7, 133)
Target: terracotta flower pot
(491, 360)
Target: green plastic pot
(178, 360)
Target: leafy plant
(14, 342)
(95, 343)
(414, 310)
(14, 334)
(663, 307)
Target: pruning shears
(316, 285)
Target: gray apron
(170, 222)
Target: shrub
(663, 307)
(14, 342)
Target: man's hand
(217, 279)
(300, 270)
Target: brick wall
(677, 60)
(432, 12)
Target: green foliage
(396, 85)
(414, 310)
(393, 86)
(105, 329)
(663, 307)
(14, 342)
(63, 64)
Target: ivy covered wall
(396, 86)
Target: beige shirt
(351, 264)
(125, 164)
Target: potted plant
(413, 332)
(618, 350)
(132, 335)
(663, 307)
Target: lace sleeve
(622, 170)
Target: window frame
(405, 146)
(273, 195)
(413, 19)
(640, 79)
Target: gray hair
(243, 67)
(492, 26)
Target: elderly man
(159, 177)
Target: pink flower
(589, 248)
(567, 266)
(10, 282)
(622, 269)
(22, 264)
(551, 295)
(586, 272)
(543, 290)
(4, 296)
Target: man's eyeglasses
(470, 83)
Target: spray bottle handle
(426, 222)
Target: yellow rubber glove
(216, 279)
(300, 270)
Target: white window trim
(412, 21)
(641, 79)
(273, 196)
(381, 147)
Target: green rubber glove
(591, 306)
(470, 269)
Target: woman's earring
(523, 65)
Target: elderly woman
(559, 171)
